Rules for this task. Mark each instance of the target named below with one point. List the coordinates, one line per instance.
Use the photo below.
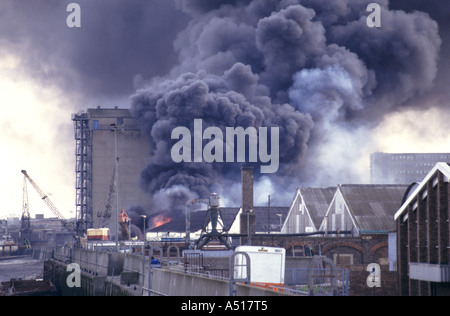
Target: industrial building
(364, 209)
(268, 220)
(354, 216)
(405, 168)
(308, 209)
(355, 223)
(45, 232)
(356, 208)
(111, 153)
(423, 239)
(234, 220)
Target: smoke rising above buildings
(311, 67)
(316, 71)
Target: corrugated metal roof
(317, 201)
(373, 206)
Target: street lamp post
(143, 247)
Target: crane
(108, 203)
(25, 229)
(68, 225)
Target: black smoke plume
(313, 68)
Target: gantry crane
(68, 225)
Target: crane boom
(50, 204)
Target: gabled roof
(372, 207)
(441, 167)
(317, 201)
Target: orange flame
(161, 220)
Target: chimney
(248, 217)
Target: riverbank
(23, 267)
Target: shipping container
(98, 234)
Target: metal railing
(298, 280)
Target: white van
(267, 265)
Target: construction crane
(25, 228)
(68, 225)
(108, 203)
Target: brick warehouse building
(423, 240)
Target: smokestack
(248, 217)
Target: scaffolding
(83, 171)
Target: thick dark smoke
(234, 99)
(313, 68)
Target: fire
(161, 220)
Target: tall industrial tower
(111, 152)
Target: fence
(197, 263)
(298, 281)
(318, 282)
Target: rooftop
(108, 113)
(317, 200)
(442, 167)
(373, 206)
(178, 224)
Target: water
(25, 268)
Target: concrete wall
(96, 279)
(132, 269)
(42, 253)
(175, 283)
(97, 262)
(91, 285)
